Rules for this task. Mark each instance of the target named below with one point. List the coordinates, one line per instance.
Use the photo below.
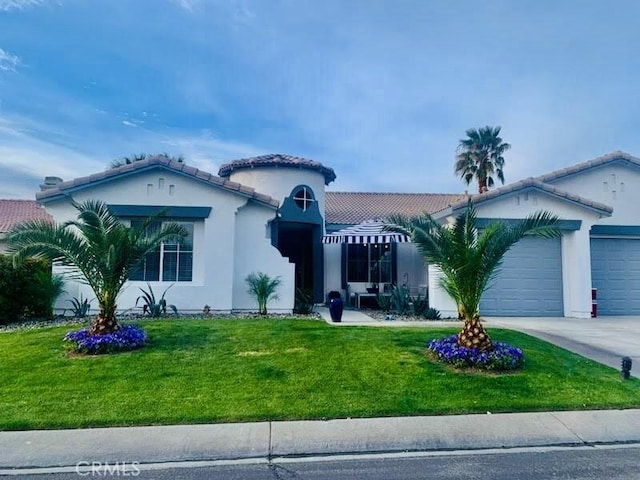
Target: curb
(265, 440)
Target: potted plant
(335, 306)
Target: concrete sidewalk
(265, 440)
(352, 318)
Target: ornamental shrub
(501, 358)
(127, 337)
(21, 292)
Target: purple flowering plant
(127, 337)
(501, 358)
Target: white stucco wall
(214, 238)
(278, 182)
(576, 262)
(332, 268)
(438, 298)
(253, 253)
(614, 185)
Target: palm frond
(470, 258)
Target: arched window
(303, 197)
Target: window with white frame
(303, 197)
(170, 262)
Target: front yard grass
(196, 371)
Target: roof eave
(530, 184)
(64, 191)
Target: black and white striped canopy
(369, 231)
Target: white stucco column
(576, 273)
(438, 298)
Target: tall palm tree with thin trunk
(101, 250)
(470, 259)
(480, 157)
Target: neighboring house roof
(617, 156)
(278, 160)
(350, 208)
(527, 184)
(160, 161)
(13, 212)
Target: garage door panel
(529, 282)
(615, 272)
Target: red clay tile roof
(13, 212)
(278, 160)
(350, 208)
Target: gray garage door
(615, 272)
(529, 283)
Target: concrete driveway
(604, 339)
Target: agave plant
(80, 306)
(263, 288)
(150, 306)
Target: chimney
(50, 182)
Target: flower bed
(127, 337)
(502, 357)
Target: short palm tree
(101, 250)
(480, 156)
(138, 157)
(263, 288)
(470, 259)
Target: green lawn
(196, 371)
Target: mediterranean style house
(272, 214)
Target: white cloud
(6, 5)
(208, 153)
(186, 4)
(26, 159)
(8, 62)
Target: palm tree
(470, 259)
(100, 248)
(480, 156)
(263, 288)
(143, 156)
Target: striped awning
(369, 231)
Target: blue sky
(381, 91)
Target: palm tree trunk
(473, 335)
(104, 324)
